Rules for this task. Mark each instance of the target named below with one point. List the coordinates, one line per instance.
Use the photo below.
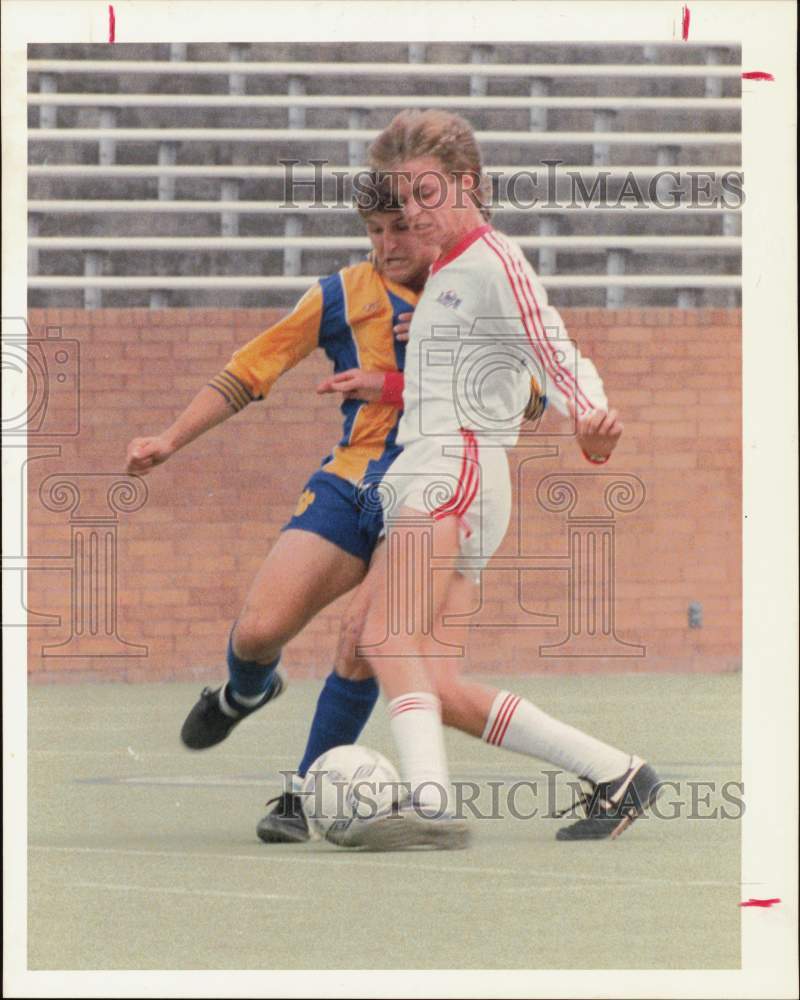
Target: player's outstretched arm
(206, 410)
(577, 388)
(248, 376)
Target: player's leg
(350, 690)
(316, 560)
(465, 703)
(343, 708)
(397, 656)
(623, 785)
(302, 574)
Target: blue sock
(342, 712)
(248, 681)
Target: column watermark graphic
(588, 562)
(590, 559)
(94, 502)
(41, 414)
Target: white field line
(124, 727)
(181, 754)
(146, 754)
(117, 887)
(170, 890)
(364, 860)
(478, 765)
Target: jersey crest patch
(449, 299)
(307, 497)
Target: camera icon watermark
(42, 382)
(491, 378)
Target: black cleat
(613, 805)
(286, 823)
(213, 717)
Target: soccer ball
(347, 787)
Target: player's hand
(354, 384)
(145, 453)
(403, 326)
(598, 432)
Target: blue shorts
(335, 509)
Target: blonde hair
(440, 134)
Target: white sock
(416, 724)
(516, 724)
(225, 705)
(232, 703)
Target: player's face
(436, 204)
(399, 253)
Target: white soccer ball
(346, 787)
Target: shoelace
(287, 807)
(584, 800)
(590, 802)
(278, 798)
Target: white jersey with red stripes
(483, 327)
(481, 331)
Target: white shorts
(470, 481)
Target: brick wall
(186, 556)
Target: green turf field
(144, 855)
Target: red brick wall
(186, 557)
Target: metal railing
(539, 102)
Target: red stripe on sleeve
(528, 308)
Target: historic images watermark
(557, 797)
(549, 184)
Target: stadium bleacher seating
(157, 172)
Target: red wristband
(392, 392)
(595, 459)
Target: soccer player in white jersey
(481, 327)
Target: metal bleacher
(220, 174)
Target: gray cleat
(404, 828)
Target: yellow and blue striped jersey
(351, 316)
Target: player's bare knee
(255, 639)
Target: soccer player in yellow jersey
(359, 317)
(326, 546)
